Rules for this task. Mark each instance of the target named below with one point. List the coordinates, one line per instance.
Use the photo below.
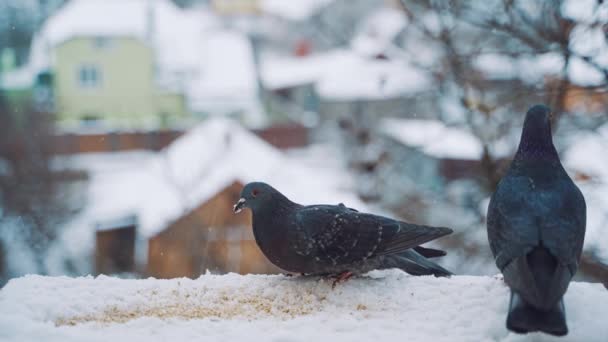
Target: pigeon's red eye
(255, 192)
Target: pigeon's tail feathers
(538, 277)
(430, 252)
(412, 235)
(524, 318)
(415, 264)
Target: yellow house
(117, 64)
(111, 79)
(236, 7)
(110, 64)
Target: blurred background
(128, 127)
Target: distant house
(182, 198)
(236, 7)
(585, 91)
(425, 158)
(115, 246)
(457, 152)
(283, 136)
(139, 64)
(367, 79)
(210, 237)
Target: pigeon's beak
(238, 206)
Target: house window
(89, 76)
(102, 43)
(90, 120)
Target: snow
(279, 72)
(388, 305)
(587, 39)
(293, 10)
(378, 31)
(529, 68)
(532, 69)
(585, 11)
(227, 82)
(333, 76)
(587, 155)
(172, 31)
(434, 138)
(16, 79)
(374, 79)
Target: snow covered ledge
(384, 306)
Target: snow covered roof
(296, 10)
(434, 138)
(16, 79)
(533, 68)
(586, 11)
(333, 76)
(227, 79)
(279, 72)
(199, 165)
(174, 32)
(378, 31)
(384, 306)
(528, 68)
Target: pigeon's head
(538, 119)
(537, 126)
(536, 136)
(255, 195)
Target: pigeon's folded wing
(338, 235)
(520, 219)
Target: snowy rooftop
(383, 306)
(293, 10)
(435, 139)
(227, 79)
(378, 31)
(332, 75)
(159, 23)
(200, 164)
(159, 188)
(534, 68)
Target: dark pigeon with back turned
(334, 240)
(536, 228)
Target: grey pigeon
(334, 240)
(536, 228)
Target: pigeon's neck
(536, 145)
(270, 227)
(279, 209)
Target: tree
(488, 62)
(29, 189)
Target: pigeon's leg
(342, 277)
(290, 275)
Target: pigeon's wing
(520, 219)
(429, 252)
(343, 206)
(512, 227)
(338, 235)
(563, 232)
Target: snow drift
(388, 305)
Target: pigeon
(536, 227)
(334, 240)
